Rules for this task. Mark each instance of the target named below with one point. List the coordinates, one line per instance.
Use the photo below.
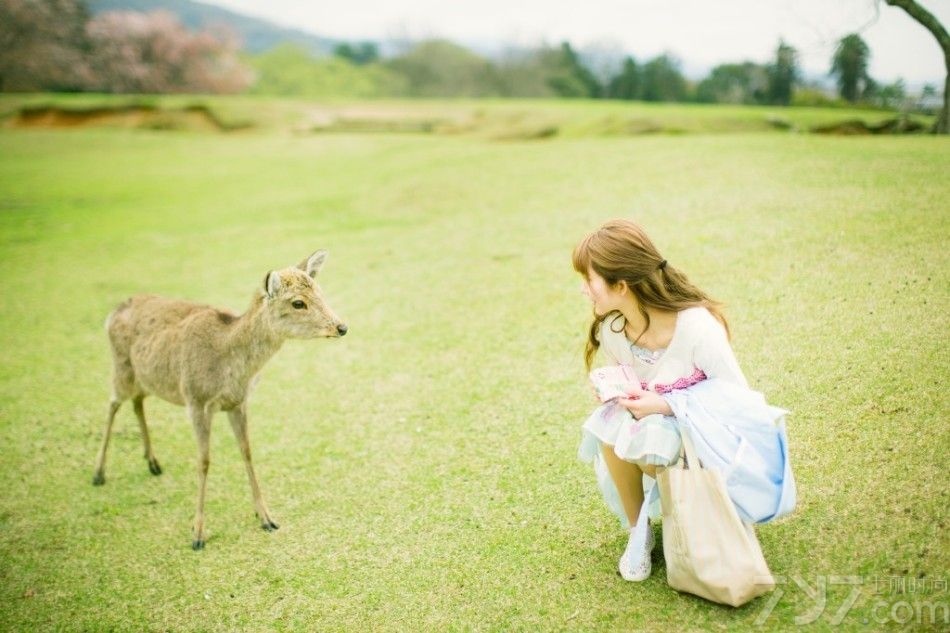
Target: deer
(207, 360)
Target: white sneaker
(637, 566)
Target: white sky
(701, 33)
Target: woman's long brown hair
(621, 251)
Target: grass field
(423, 469)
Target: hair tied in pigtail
(663, 265)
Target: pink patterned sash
(681, 383)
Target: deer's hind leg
(137, 403)
(123, 385)
(99, 477)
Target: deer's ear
(314, 263)
(272, 284)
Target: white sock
(634, 527)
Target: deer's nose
(341, 328)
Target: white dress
(699, 349)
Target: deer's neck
(253, 340)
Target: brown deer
(207, 360)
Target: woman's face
(601, 294)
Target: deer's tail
(119, 308)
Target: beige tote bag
(709, 551)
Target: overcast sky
(701, 33)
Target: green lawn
(423, 469)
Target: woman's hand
(642, 403)
(593, 391)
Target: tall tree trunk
(927, 19)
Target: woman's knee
(617, 461)
(652, 471)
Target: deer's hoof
(270, 526)
(153, 467)
(99, 479)
(197, 545)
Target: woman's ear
(622, 287)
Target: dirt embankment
(195, 118)
(898, 125)
(512, 124)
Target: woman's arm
(713, 354)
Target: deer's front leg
(238, 417)
(201, 420)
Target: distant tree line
(55, 45)
(440, 68)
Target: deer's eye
(300, 305)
